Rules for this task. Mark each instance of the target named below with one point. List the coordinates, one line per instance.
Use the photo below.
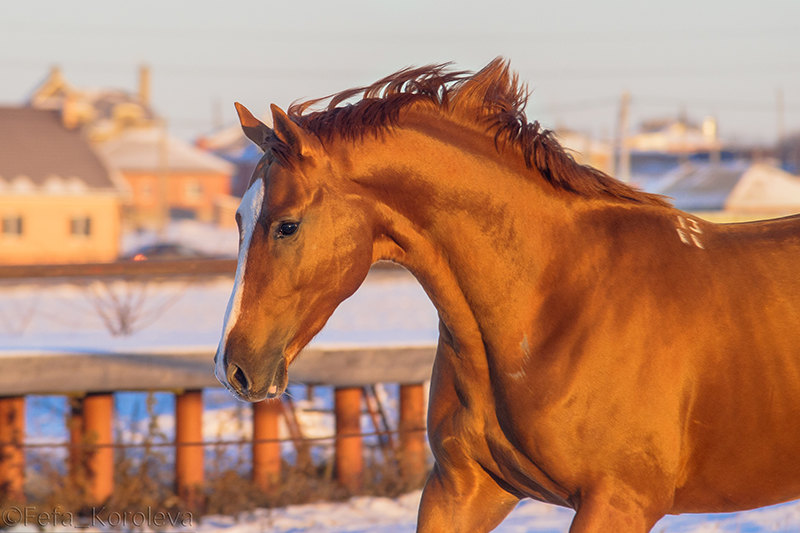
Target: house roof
(37, 152)
(765, 189)
(150, 149)
(230, 142)
(52, 92)
(231, 145)
(701, 186)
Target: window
(12, 225)
(147, 190)
(194, 190)
(80, 226)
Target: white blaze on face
(248, 213)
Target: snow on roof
(229, 140)
(765, 189)
(144, 149)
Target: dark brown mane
(492, 97)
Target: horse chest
(466, 429)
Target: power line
(767, 106)
(580, 105)
(651, 71)
(407, 36)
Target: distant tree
(17, 311)
(127, 306)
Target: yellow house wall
(46, 235)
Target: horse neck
(474, 226)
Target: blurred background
(636, 89)
(119, 145)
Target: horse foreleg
(464, 500)
(613, 511)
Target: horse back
(742, 434)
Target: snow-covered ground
(373, 515)
(383, 515)
(203, 237)
(388, 309)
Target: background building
(59, 202)
(168, 178)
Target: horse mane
(492, 97)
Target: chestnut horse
(598, 349)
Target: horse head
(304, 246)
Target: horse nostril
(238, 379)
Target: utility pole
(163, 185)
(218, 120)
(623, 166)
(144, 85)
(780, 110)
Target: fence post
(12, 455)
(349, 458)
(266, 455)
(98, 417)
(76, 462)
(189, 458)
(412, 439)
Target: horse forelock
(493, 99)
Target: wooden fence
(90, 380)
(91, 445)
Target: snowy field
(46, 318)
(382, 515)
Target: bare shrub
(127, 306)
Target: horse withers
(599, 349)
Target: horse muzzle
(257, 382)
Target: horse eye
(286, 229)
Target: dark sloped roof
(35, 144)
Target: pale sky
(727, 59)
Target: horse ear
(286, 130)
(254, 129)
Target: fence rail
(74, 372)
(172, 268)
(123, 269)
